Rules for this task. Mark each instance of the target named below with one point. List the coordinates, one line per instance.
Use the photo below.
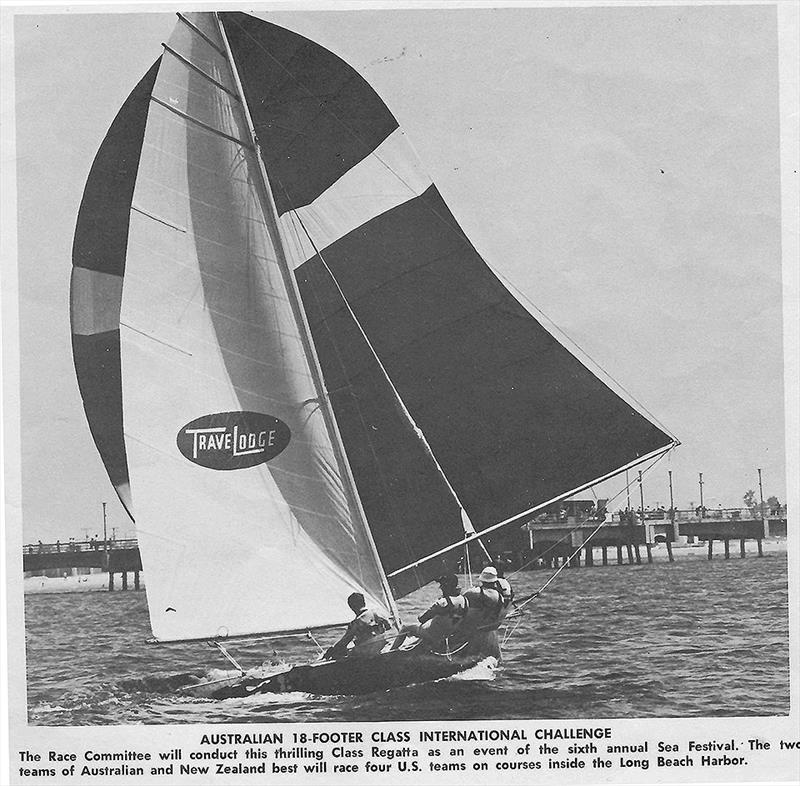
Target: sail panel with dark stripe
(98, 257)
(315, 117)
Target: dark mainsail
(512, 416)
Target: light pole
(671, 502)
(702, 509)
(628, 490)
(761, 494)
(641, 497)
(105, 537)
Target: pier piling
(124, 579)
(605, 555)
(136, 579)
(710, 548)
(727, 548)
(741, 548)
(649, 553)
(669, 551)
(111, 581)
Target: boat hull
(353, 675)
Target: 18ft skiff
(302, 378)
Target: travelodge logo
(233, 440)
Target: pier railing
(72, 546)
(637, 516)
(114, 556)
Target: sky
(619, 166)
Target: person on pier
(438, 622)
(366, 631)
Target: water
(685, 639)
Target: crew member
(485, 599)
(485, 610)
(365, 631)
(503, 585)
(441, 619)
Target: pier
(109, 556)
(571, 535)
(568, 536)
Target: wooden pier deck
(553, 538)
(115, 557)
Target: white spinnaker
(207, 327)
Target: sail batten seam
(200, 123)
(160, 220)
(213, 44)
(200, 71)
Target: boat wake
(163, 683)
(485, 670)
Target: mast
(270, 216)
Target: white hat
(488, 575)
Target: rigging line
(154, 338)
(518, 611)
(583, 545)
(319, 646)
(510, 284)
(465, 520)
(577, 526)
(563, 537)
(381, 474)
(399, 531)
(227, 655)
(517, 516)
(458, 231)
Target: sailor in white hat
(485, 597)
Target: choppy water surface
(690, 638)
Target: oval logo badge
(233, 440)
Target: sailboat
(302, 378)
